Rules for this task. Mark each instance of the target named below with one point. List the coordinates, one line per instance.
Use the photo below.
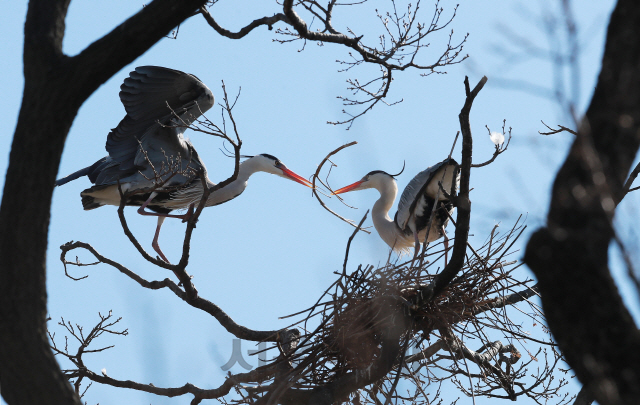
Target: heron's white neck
(386, 227)
(236, 187)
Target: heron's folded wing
(415, 189)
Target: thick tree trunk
(570, 256)
(29, 372)
(55, 88)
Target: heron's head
(377, 179)
(271, 164)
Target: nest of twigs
(371, 309)
(357, 333)
(373, 301)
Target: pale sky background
(272, 251)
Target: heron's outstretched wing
(154, 96)
(424, 183)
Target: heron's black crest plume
(376, 172)
(396, 175)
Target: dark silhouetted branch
(268, 21)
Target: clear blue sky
(272, 251)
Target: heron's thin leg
(417, 247)
(141, 210)
(189, 212)
(155, 244)
(184, 217)
(446, 246)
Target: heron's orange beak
(295, 177)
(348, 188)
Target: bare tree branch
(457, 348)
(268, 21)
(500, 147)
(346, 254)
(553, 131)
(315, 190)
(462, 202)
(209, 307)
(402, 37)
(626, 189)
(510, 299)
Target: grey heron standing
(409, 226)
(147, 150)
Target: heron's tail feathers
(73, 176)
(97, 196)
(93, 172)
(89, 202)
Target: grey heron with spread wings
(150, 159)
(411, 222)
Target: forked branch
(501, 146)
(315, 190)
(402, 36)
(463, 202)
(553, 131)
(207, 306)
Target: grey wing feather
(414, 189)
(147, 94)
(159, 102)
(149, 91)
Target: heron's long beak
(295, 177)
(350, 187)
